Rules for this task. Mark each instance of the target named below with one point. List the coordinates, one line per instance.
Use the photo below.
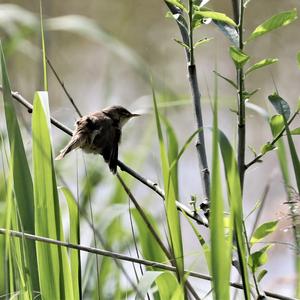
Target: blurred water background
(105, 52)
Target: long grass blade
(54, 270)
(22, 181)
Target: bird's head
(119, 114)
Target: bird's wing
(74, 143)
(113, 158)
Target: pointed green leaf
(220, 249)
(259, 258)
(261, 275)
(229, 31)
(74, 221)
(267, 147)
(202, 41)
(53, 264)
(280, 105)
(263, 230)
(295, 131)
(22, 181)
(279, 20)
(182, 44)
(277, 124)
(213, 15)
(261, 64)
(239, 58)
(179, 4)
(170, 199)
(226, 79)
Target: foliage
(31, 204)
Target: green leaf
(200, 14)
(277, 21)
(226, 79)
(294, 155)
(22, 181)
(261, 64)
(229, 31)
(220, 250)
(239, 58)
(172, 154)
(261, 275)
(248, 95)
(267, 147)
(298, 59)
(263, 230)
(179, 4)
(148, 280)
(295, 131)
(170, 200)
(151, 250)
(259, 258)
(235, 200)
(280, 105)
(182, 44)
(53, 264)
(202, 41)
(277, 124)
(74, 221)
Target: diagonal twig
(154, 186)
(106, 253)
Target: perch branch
(181, 207)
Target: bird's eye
(90, 124)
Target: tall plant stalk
(241, 100)
(186, 31)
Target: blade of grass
(296, 166)
(219, 265)
(75, 260)
(54, 270)
(22, 181)
(170, 203)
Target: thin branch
(123, 257)
(279, 135)
(154, 233)
(154, 186)
(63, 87)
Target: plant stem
(200, 145)
(123, 257)
(187, 37)
(241, 101)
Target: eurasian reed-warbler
(100, 133)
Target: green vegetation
(44, 227)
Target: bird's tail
(73, 144)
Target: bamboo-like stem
(186, 31)
(242, 125)
(241, 101)
(123, 257)
(154, 186)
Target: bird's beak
(135, 115)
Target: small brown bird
(100, 133)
